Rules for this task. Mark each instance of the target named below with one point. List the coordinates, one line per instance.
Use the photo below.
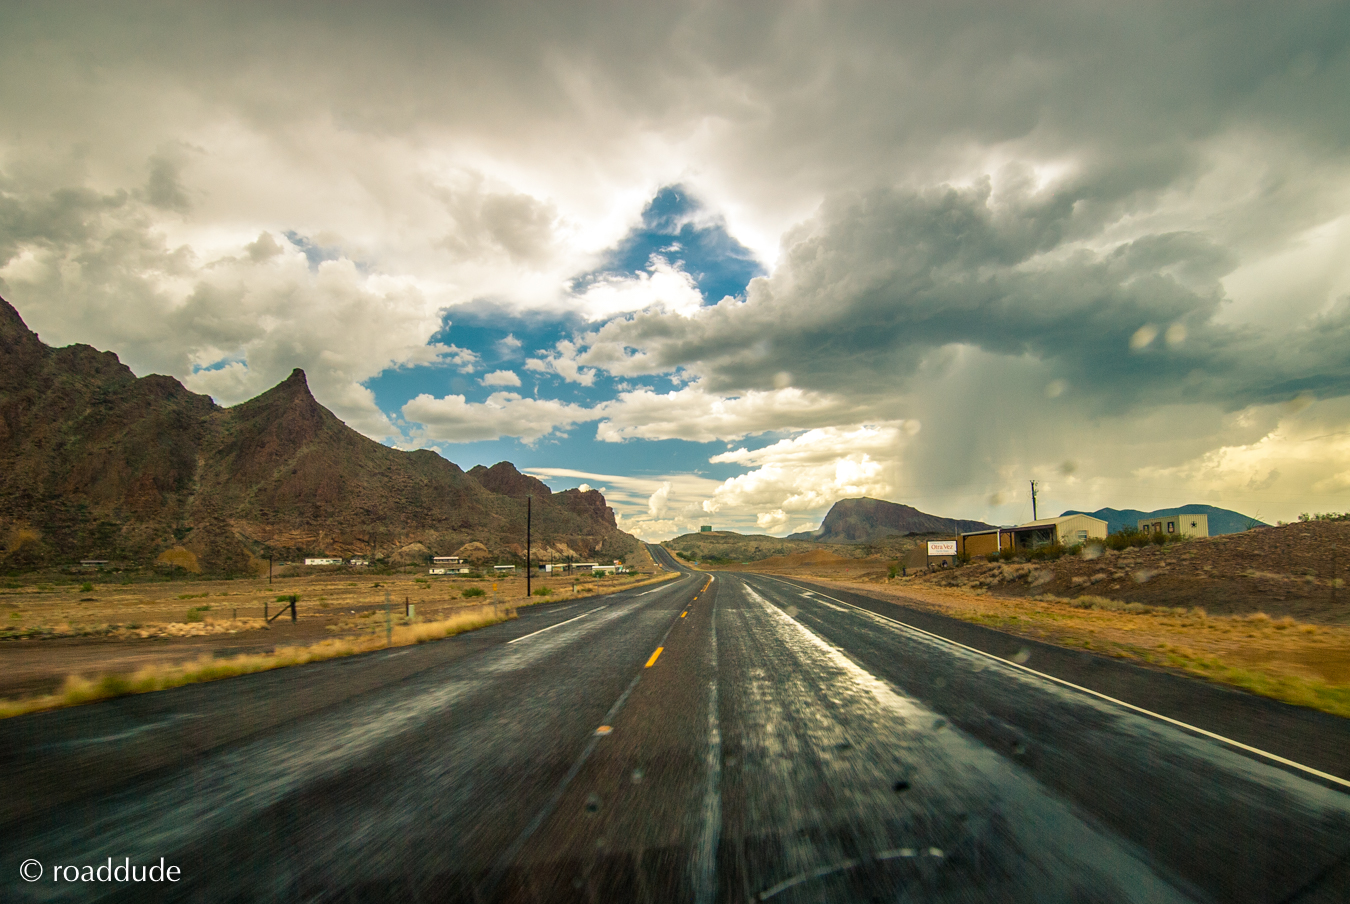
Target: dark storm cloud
(1107, 208)
(888, 277)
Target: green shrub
(1325, 516)
(193, 615)
(472, 591)
(86, 587)
(1007, 555)
(543, 591)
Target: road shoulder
(1307, 736)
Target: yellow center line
(684, 613)
(651, 662)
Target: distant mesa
(867, 520)
(97, 463)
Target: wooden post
(528, 501)
(294, 599)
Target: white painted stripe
(1087, 690)
(558, 625)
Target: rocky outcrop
(95, 462)
(868, 520)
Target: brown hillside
(1296, 570)
(97, 463)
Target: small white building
(358, 561)
(504, 569)
(323, 561)
(447, 560)
(1172, 525)
(1066, 530)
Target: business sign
(942, 547)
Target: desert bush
(178, 557)
(86, 587)
(472, 591)
(1007, 555)
(1130, 537)
(1324, 516)
(543, 591)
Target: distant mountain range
(868, 520)
(1221, 521)
(97, 463)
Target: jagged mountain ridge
(96, 462)
(867, 520)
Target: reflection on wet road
(727, 739)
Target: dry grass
(1283, 658)
(78, 689)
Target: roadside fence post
(388, 620)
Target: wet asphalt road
(782, 745)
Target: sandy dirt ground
(57, 630)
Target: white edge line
(1087, 690)
(551, 627)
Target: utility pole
(528, 575)
(1033, 501)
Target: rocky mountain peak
(503, 478)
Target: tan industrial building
(1185, 525)
(1067, 530)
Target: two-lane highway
(717, 738)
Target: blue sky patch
(676, 227)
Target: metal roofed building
(1066, 530)
(1183, 524)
